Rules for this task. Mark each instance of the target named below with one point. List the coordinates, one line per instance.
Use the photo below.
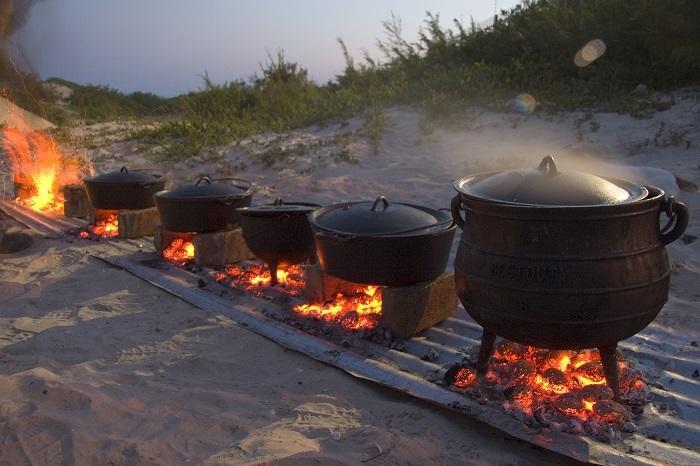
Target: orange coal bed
(403, 310)
(218, 249)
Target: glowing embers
(105, 228)
(553, 387)
(179, 251)
(39, 168)
(359, 311)
(256, 279)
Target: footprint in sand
(45, 441)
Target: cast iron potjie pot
(204, 207)
(123, 189)
(382, 243)
(562, 260)
(279, 233)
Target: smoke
(13, 14)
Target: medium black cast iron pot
(204, 207)
(382, 243)
(123, 189)
(584, 274)
(279, 233)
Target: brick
(321, 287)
(137, 223)
(77, 204)
(408, 310)
(220, 248)
(162, 237)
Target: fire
(255, 278)
(179, 251)
(102, 229)
(567, 383)
(360, 311)
(39, 165)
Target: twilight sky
(162, 46)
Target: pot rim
(649, 193)
(326, 232)
(156, 177)
(278, 208)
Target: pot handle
(123, 169)
(383, 200)
(678, 215)
(202, 180)
(456, 207)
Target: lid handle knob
(381, 199)
(203, 180)
(548, 166)
(278, 202)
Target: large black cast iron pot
(123, 189)
(279, 233)
(562, 260)
(382, 243)
(206, 206)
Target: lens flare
(589, 53)
(524, 103)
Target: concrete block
(408, 310)
(137, 223)
(220, 248)
(76, 203)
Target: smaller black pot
(279, 233)
(123, 189)
(382, 243)
(203, 207)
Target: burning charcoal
(523, 373)
(583, 357)
(464, 377)
(611, 411)
(552, 380)
(559, 359)
(569, 404)
(522, 396)
(590, 373)
(509, 351)
(595, 393)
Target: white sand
(97, 367)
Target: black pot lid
(280, 207)
(547, 186)
(123, 176)
(206, 188)
(380, 218)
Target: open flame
(256, 278)
(563, 384)
(179, 251)
(102, 229)
(39, 165)
(359, 311)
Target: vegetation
(528, 49)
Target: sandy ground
(97, 367)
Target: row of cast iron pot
(380, 242)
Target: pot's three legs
(485, 350)
(273, 272)
(607, 357)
